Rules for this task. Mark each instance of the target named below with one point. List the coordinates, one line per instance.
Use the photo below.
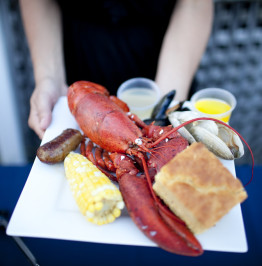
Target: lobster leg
(137, 120)
(89, 152)
(83, 146)
(98, 157)
(145, 213)
(109, 164)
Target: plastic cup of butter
(214, 102)
(141, 95)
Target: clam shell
(210, 126)
(218, 138)
(183, 131)
(184, 117)
(232, 140)
(189, 115)
(212, 142)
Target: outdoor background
(232, 61)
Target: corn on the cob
(99, 200)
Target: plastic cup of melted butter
(214, 102)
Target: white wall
(12, 149)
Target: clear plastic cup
(214, 102)
(141, 95)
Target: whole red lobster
(136, 152)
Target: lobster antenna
(215, 120)
(159, 204)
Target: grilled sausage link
(57, 149)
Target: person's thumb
(45, 115)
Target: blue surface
(59, 252)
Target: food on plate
(98, 199)
(161, 107)
(131, 142)
(57, 149)
(218, 138)
(198, 188)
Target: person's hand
(42, 101)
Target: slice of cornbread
(198, 188)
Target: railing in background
(233, 61)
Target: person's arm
(42, 23)
(183, 45)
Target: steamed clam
(232, 140)
(219, 139)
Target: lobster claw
(168, 234)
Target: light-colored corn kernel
(98, 206)
(91, 208)
(110, 217)
(116, 212)
(98, 199)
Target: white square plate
(46, 208)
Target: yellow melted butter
(213, 107)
